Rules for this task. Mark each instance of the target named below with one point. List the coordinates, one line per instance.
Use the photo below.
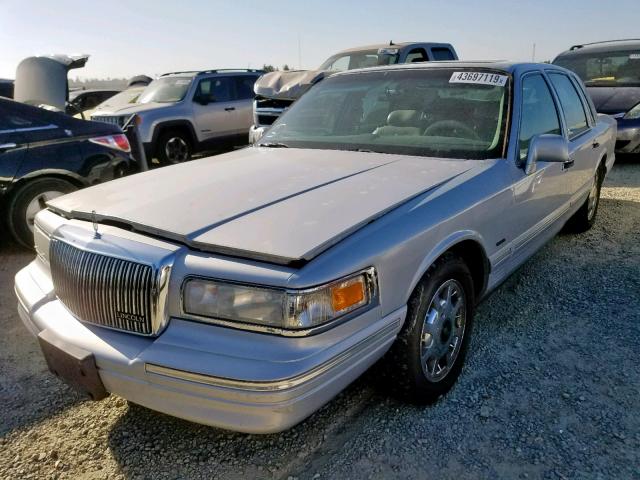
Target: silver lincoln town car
(246, 290)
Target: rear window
(571, 103)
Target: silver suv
(184, 112)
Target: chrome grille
(103, 290)
(118, 120)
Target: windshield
(360, 59)
(166, 90)
(606, 69)
(440, 112)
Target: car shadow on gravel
(142, 436)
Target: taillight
(118, 141)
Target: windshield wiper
(273, 145)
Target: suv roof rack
(576, 47)
(217, 70)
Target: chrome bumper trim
(278, 385)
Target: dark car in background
(611, 72)
(6, 88)
(82, 100)
(45, 154)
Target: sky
(131, 37)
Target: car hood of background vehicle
(134, 108)
(288, 84)
(277, 205)
(614, 99)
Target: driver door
(214, 111)
(543, 196)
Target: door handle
(595, 144)
(7, 146)
(229, 109)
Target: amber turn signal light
(349, 294)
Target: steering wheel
(447, 126)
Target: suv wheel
(28, 200)
(173, 147)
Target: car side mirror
(546, 148)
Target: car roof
(500, 65)
(389, 45)
(605, 46)
(218, 71)
(93, 90)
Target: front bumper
(628, 137)
(237, 380)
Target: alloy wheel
(443, 330)
(176, 150)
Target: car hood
(289, 84)
(614, 99)
(131, 109)
(276, 205)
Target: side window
(571, 103)
(440, 53)
(416, 55)
(215, 89)
(539, 114)
(244, 87)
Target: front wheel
(429, 353)
(173, 147)
(27, 201)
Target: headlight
(633, 113)
(279, 308)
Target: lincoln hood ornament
(94, 220)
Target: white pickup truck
(276, 91)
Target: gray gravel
(551, 390)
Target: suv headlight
(633, 113)
(279, 308)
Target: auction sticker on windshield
(481, 78)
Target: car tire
(173, 147)
(427, 357)
(24, 205)
(585, 217)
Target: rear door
(214, 108)
(583, 146)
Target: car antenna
(391, 43)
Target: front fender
(445, 245)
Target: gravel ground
(551, 390)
